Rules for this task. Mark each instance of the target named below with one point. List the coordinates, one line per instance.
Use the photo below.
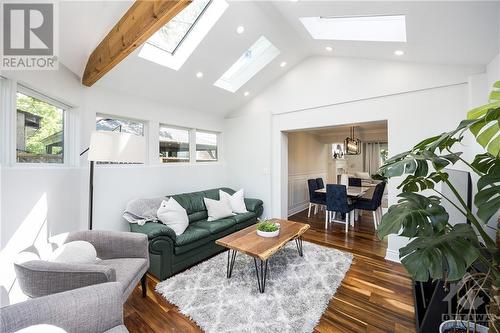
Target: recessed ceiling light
(283, 64)
(199, 75)
(246, 93)
(399, 52)
(329, 48)
(240, 29)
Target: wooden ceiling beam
(140, 22)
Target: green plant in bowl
(267, 226)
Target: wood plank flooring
(375, 296)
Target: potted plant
(268, 228)
(438, 249)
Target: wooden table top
(352, 191)
(247, 240)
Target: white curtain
(372, 157)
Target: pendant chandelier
(352, 145)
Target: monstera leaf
(441, 256)
(413, 216)
(487, 120)
(487, 199)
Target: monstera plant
(439, 249)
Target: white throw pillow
(236, 201)
(76, 252)
(172, 214)
(217, 209)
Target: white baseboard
(298, 209)
(392, 255)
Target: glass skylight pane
(261, 53)
(381, 28)
(169, 37)
(174, 43)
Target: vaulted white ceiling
(437, 32)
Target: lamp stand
(91, 194)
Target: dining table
(352, 191)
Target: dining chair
(344, 179)
(373, 204)
(320, 183)
(355, 182)
(316, 199)
(336, 202)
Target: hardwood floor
(375, 295)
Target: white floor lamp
(114, 147)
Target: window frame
(192, 145)
(145, 135)
(217, 145)
(190, 141)
(69, 129)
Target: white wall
(38, 202)
(307, 158)
(417, 101)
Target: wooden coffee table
(261, 248)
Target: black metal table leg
(231, 256)
(261, 277)
(298, 242)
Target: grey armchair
(124, 258)
(92, 309)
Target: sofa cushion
(192, 234)
(243, 217)
(215, 226)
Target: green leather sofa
(170, 254)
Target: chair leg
(375, 220)
(315, 209)
(347, 218)
(326, 219)
(144, 286)
(309, 211)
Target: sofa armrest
(85, 310)
(253, 204)
(39, 278)
(114, 244)
(153, 229)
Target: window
(261, 53)
(39, 130)
(174, 144)
(377, 28)
(114, 124)
(171, 35)
(172, 45)
(206, 146)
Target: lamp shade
(117, 147)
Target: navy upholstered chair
(355, 182)
(373, 204)
(319, 182)
(336, 202)
(316, 199)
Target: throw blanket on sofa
(141, 211)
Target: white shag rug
(297, 292)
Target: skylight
(172, 45)
(171, 35)
(378, 28)
(261, 53)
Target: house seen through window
(39, 131)
(174, 144)
(114, 124)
